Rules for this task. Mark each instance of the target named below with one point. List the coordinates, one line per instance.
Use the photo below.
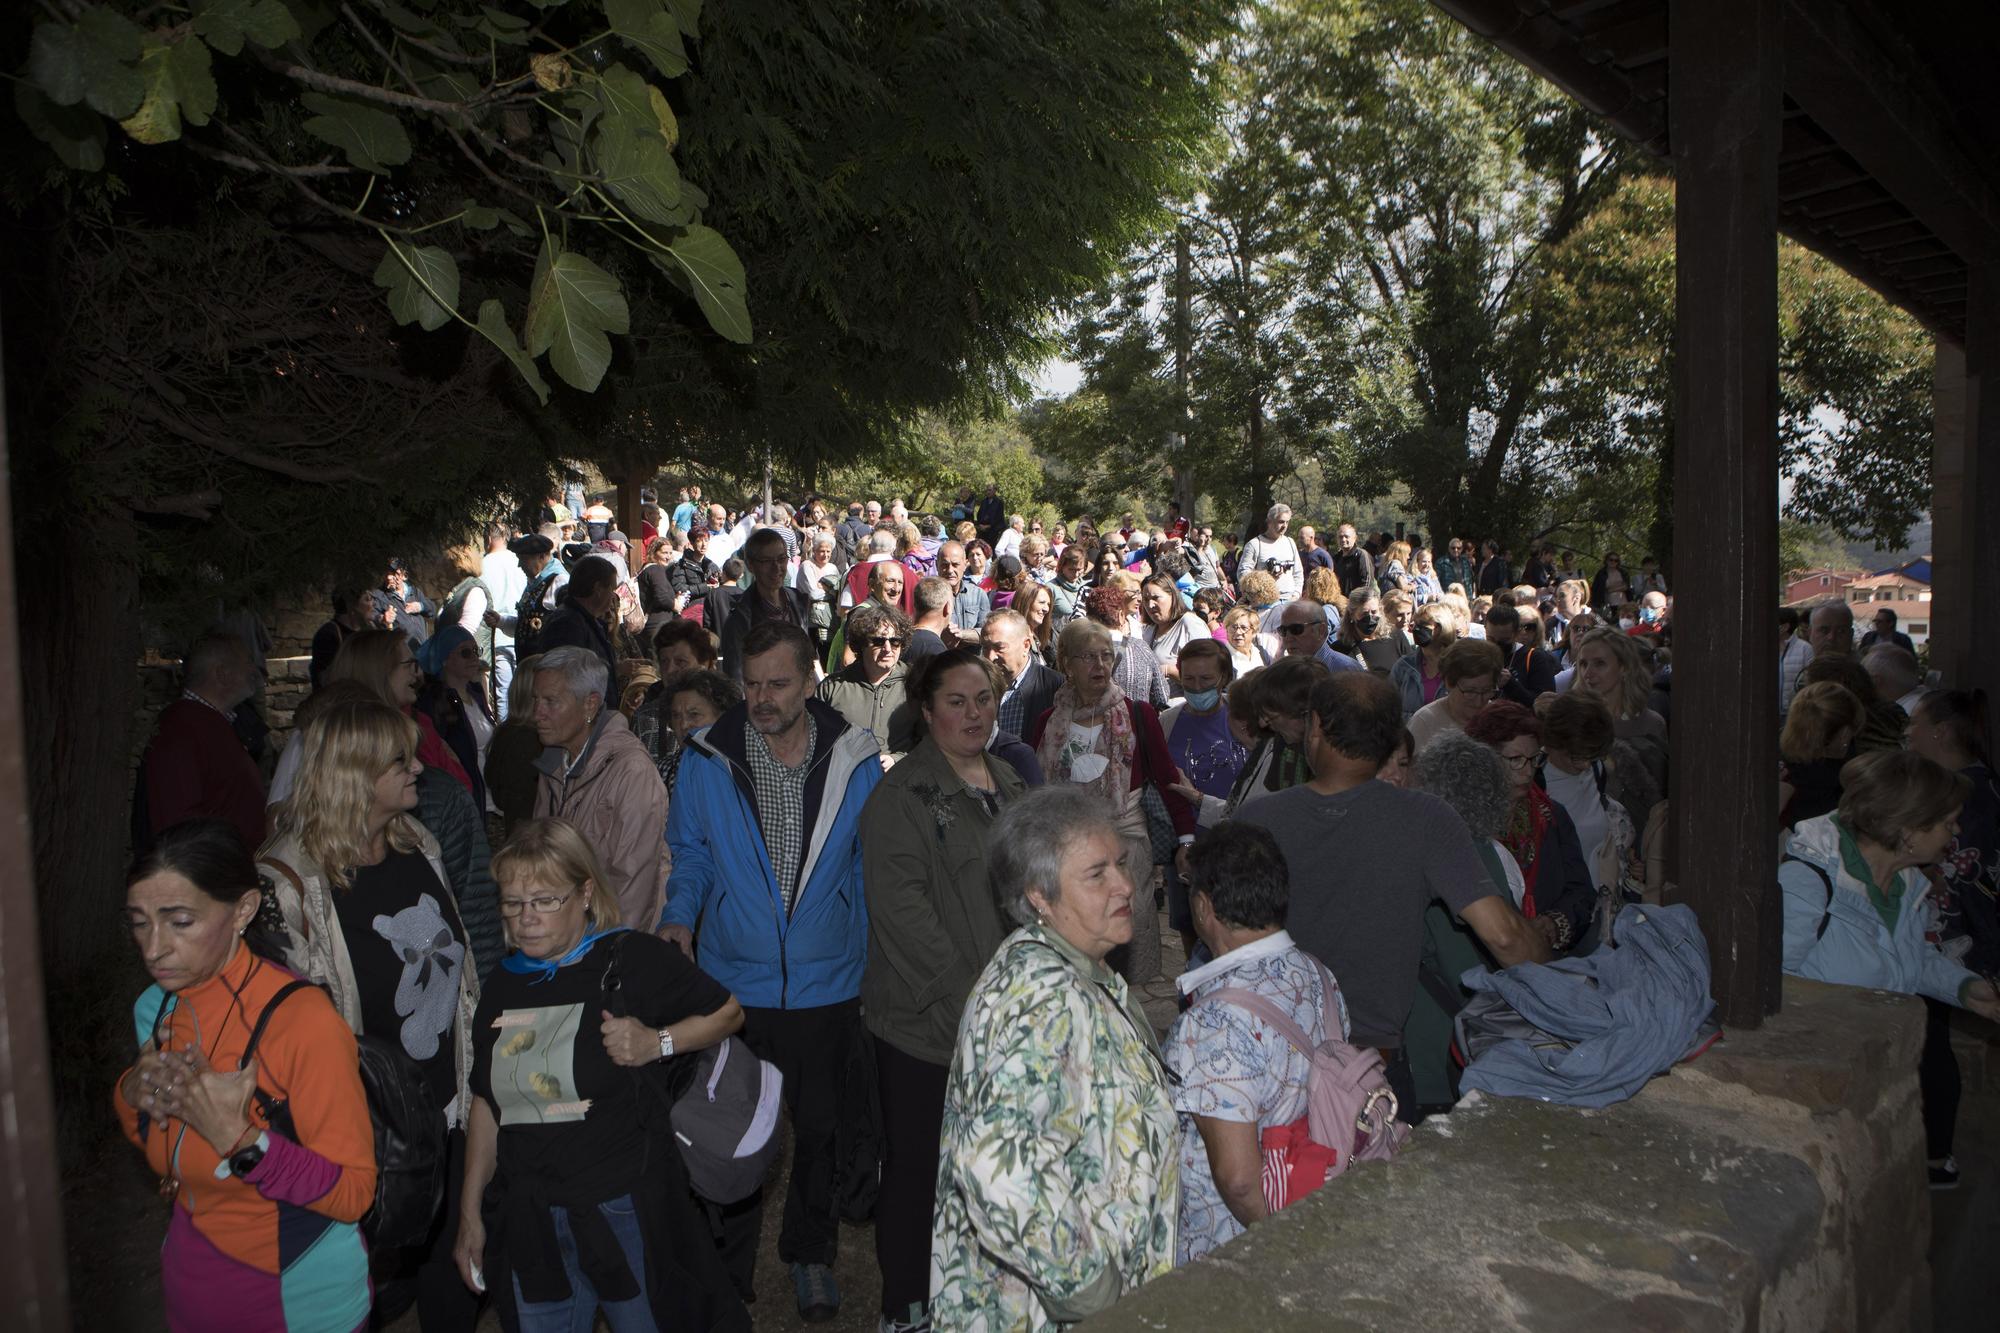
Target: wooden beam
(1972, 594)
(1952, 527)
(1885, 114)
(1725, 106)
(628, 517)
(32, 1266)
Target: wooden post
(1724, 106)
(1981, 486)
(32, 1264)
(628, 518)
(1952, 522)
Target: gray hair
(583, 670)
(1027, 843)
(1469, 777)
(1894, 669)
(881, 543)
(1277, 511)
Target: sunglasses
(1293, 631)
(884, 641)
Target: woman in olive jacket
(932, 926)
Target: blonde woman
(1612, 667)
(1419, 674)
(1037, 605)
(386, 662)
(1395, 572)
(590, 1199)
(368, 914)
(1818, 738)
(1239, 632)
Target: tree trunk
(80, 646)
(1260, 476)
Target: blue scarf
(522, 965)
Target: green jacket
(882, 709)
(932, 922)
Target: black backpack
(409, 1139)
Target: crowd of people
(893, 803)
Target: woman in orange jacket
(246, 1099)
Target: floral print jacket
(1058, 1179)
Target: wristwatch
(243, 1162)
(666, 1043)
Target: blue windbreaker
(724, 890)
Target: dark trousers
(1938, 1080)
(912, 1123)
(810, 1047)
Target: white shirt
(1167, 643)
(1284, 551)
(1009, 543)
(501, 572)
(1577, 793)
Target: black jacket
(1033, 695)
(1354, 569)
(573, 627)
(727, 611)
(690, 574)
(1531, 674)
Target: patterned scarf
(1116, 741)
(1523, 838)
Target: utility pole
(767, 486)
(1183, 472)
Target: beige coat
(614, 797)
(317, 950)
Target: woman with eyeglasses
(1095, 736)
(1472, 670)
(369, 914)
(870, 691)
(1556, 893)
(588, 1208)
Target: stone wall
(1776, 1183)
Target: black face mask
(1367, 622)
(1422, 636)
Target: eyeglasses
(1104, 655)
(544, 904)
(883, 641)
(1520, 763)
(1293, 631)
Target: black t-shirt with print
(569, 1117)
(407, 947)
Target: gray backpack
(721, 1106)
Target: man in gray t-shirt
(1366, 858)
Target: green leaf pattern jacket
(1058, 1180)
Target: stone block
(1775, 1183)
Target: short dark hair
(1240, 870)
(1212, 650)
(699, 641)
(1578, 725)
(772, 635)
(871, 617)
(211, 855)
(1287, 686)
(1359, 714)
(1503, 615)
(589, 577)
(1788, 617)
(765, 537)
(720, 691)
(925, 679)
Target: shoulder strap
(298, 886)
(1826, 879)
(1268, 1010)
(264, 1019)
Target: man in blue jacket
(766, 896)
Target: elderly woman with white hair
(1059, 1181)
(596, 774)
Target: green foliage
(934, 460)
(457, 109)
(1415, 264)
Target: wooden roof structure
(1890, 158)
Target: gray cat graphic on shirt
(427, 994)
